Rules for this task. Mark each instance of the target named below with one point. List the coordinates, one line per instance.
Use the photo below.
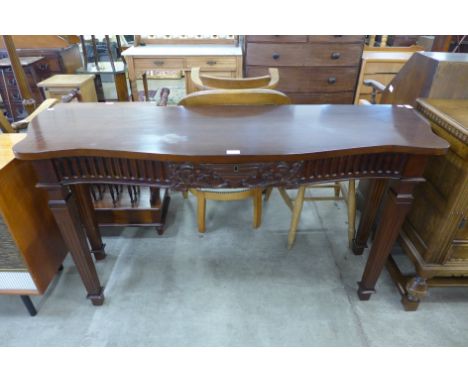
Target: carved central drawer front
(303, 55)
(212, 63)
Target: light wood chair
(232, 97)
(207, 82)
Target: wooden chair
(232, 97)
(207, 82)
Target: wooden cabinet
(36, 69)
(63, 84)
(435, 232)
(313, 69)
(31, 246)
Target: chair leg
(145, 86)
(268, 193)
(296, 215)
(286, 197)
(351, 211)
(29, 305)
(201, 207)
(257, 208)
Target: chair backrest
(207, 82)
(235, 97)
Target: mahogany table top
(226, 134)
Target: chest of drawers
(36, 70)
(313, 69)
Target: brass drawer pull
(332, 80)
(211, 62)
(158, 63)
(335, 55)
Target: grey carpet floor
(233, 286)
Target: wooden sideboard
(435, 232)
(36, 70)
(136, 143)
(379, 66)
(31, 247)
(312, 69)
(219, 60)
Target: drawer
(358, 39)
(312, 80)
(276, 38)
(383, 67)
(273, 55)
(143, 64)
(218, 64)
(322, 98)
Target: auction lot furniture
(31, 247)
(228, 147)
(312, 69)
(218, 60)
(435, 232)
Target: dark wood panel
(303, 55)
(312, 80)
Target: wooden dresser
(312, 69)
(435, 232)
(36, 70)
(31, 246)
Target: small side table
(62, 84)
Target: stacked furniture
(312, 69)
(35, 69)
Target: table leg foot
(364, 293)
(99, 254)
(97, 299)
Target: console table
(219, 60)
(228, 147)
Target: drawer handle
(335, 55)
(331, 80)
(43, 67)
(236, 168)
(338, 35)
(158, 63)
(275, 56)
(211, 62)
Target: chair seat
(223, 190)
